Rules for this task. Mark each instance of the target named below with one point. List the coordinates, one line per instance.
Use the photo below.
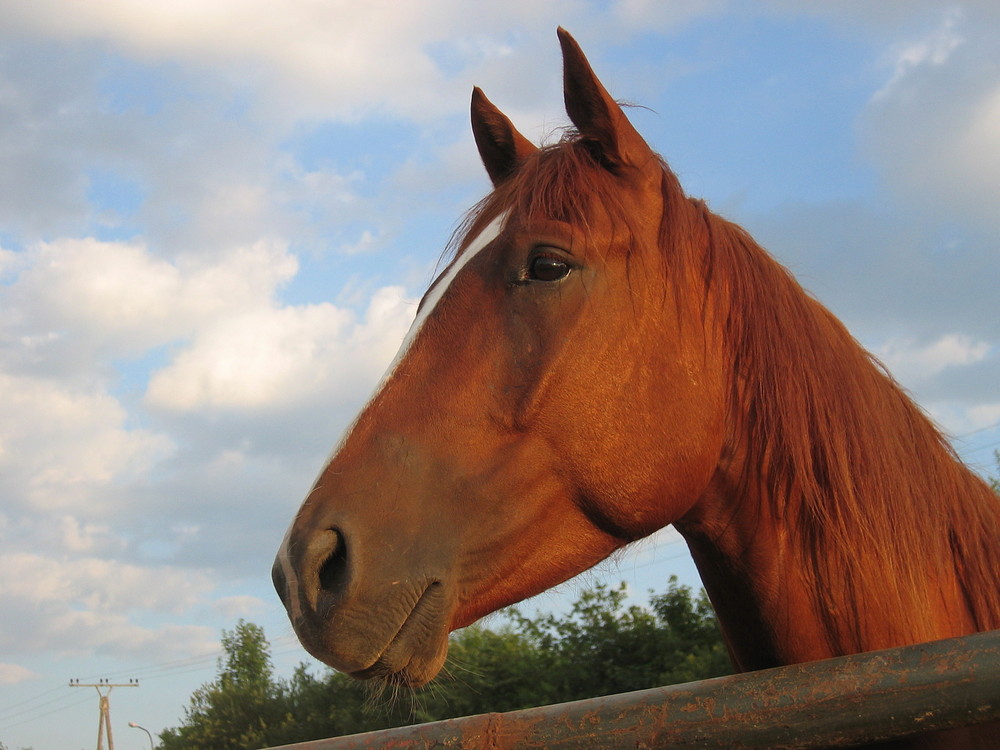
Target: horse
(603, 356)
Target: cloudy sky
(216, 218)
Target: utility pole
(104, 689)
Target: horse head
(556, 398)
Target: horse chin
(419, 670)
(412, 657)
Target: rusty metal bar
(832, 703)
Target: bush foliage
(601, 647)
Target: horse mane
(883, 503)
(843, 456)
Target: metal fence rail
(832, 703)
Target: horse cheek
(643, 440)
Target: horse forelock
(561, 182)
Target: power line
(976, 431)
(49, 702)
(12, 706)
(51, 711)
(165, 669)
(25, 711)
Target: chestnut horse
(605, 356)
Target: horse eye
(547, 268)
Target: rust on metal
(833, 703)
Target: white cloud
(196, 162)
(353, 57)
(82, 632)
(271, 357)
(78, 605)
(977, 148)
(649, 14)
(87, 472)
(12, 674)
(984, 415)
(913, 362)
(9, 262)
(366, 243)
(256, 359)
(84, 286)
(934, 127)
(931, 127)
(101, 585)
(235, 607)
(944, 374)
(934, 49)
(887, 16)
(60, 447)
(82, 537)
(81, 300)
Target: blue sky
(216, 220)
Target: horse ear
(501, 147)
(597, 116)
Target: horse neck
(838, 520)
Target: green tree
(488, 669)
(995, 481)
(239, 708)
(601, 647)
(604, 647)
(692, 647)
(330, 705)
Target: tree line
(601, 647)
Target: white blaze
(437, 291)
(434, 294)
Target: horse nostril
(323, 567)
(332, 572)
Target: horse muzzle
(369, 614)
